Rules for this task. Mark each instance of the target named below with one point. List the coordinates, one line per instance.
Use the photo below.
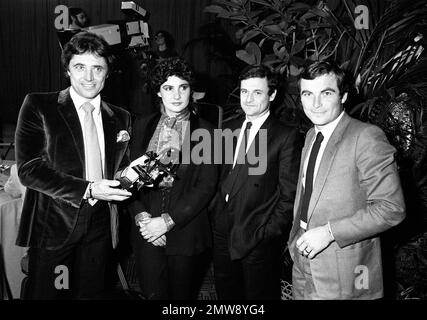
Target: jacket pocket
(360, 271)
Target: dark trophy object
(155, 169)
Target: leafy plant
(279, 34)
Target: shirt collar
(329, 128)
(79, 101)
(257, 123)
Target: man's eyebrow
(328, 89)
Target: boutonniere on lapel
(123, 136)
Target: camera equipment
(154, 170)
(123, 34)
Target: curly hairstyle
(170, 67)
(86, 42)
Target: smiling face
(175, 95)
(321, 99)
(254, 97)
(87, 74)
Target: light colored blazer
(357, 189)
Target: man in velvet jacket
(252, 211)
(66, 217)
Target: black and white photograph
(213, 158)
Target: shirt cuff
(168, 220)
(87, 193)
(330, 231)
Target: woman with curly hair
(176, 230)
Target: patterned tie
(92, 150)
(241, 155)
(308, 189)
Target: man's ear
(344, 97)
(273, 95)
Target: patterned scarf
(168, 137)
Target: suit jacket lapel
(304, 154)
(110, 132)
(326, 162)
(148, 134)
(68, 112)
(242, 170)
(188, 145)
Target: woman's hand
(153, 229)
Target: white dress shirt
(256, 125)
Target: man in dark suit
(68, 144)
(252, 209)
(348, 193)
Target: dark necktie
(308, 188)
(229, 182)
(243, 144)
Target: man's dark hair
(170, 67)
(320, 68)
(74, 11)
(86, 42)
(261, 72)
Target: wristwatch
(168, 220)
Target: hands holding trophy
(151, 170)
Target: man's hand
(104, 190)
(153, 229)
(314, 241)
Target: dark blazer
(50, 160)
(260, 206)
(189, 196)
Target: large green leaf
(215, 9)
(297, 47)
(252, 33)
(273, 29)
(272, 18)
(264, 3)
(246, 57)
(231, 4)
(251, 55)
(253, 48)
(280, 50)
